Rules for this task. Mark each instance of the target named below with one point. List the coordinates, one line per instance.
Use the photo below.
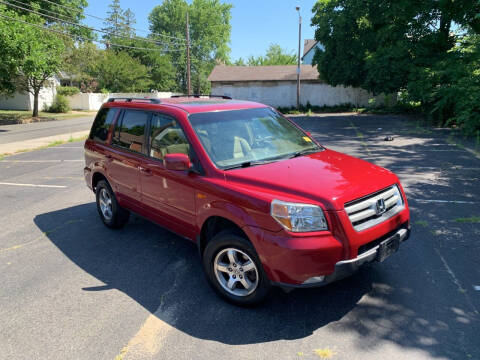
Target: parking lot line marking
(34, 185)
(445, 201)
(449, 150)
(17, 246)
(38, 161)
(456, 281)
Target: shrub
(67, 90)
(60, 105)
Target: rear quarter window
(130, 130)
(102, 123)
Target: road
(22, 132)
(72, 289)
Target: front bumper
(346, 268)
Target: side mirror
(179, 162)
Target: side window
(130, 130)
(102, 123)
(167, 137)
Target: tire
(114, 217)
(220, 250)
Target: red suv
(264, 202)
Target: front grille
(374, 208)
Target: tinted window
(102, 123)
(130, 130)
(166, 137)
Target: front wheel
(234, 270)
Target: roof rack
(201, 95)
(153, 101)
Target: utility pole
(298, 64)
(189, 88)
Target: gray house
(309, 47)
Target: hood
(326, 177)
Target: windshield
(246, 137)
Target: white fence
(284, 93)
(93, 101)
(24, 101)
(82, 101)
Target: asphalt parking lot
(72, 289)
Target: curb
(14, 147)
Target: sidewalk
(14, 138)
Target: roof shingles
(223, 73)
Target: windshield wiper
(303, 152)
(249, 163)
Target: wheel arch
(214, 225)
(96, 177)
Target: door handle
(145, 171)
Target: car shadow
(163, 273)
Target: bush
(67, 90)
(60, 105)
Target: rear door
(168, 195)
(128, 147)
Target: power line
(87, 27)
(82, 37)
(106, 20)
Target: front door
(168, 195)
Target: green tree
(394, 45)
(119, 72)
(130, 22)
(275, 56)
(30, 56)
(56, 13)
(209, 33)
(159, 65)
(115, 23)
(79, 62)
(71, 9)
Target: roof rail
(127, 99)
(201, 95)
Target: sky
(255, 24)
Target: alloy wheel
(236, 272)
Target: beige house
(277, 86)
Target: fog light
(315, 279)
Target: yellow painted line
(148, 341)
(18, 246)
(46, 233)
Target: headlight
(298, 217)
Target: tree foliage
(209, 33)
(399, 45)
(119, 72)
(29, 58)
(275, 55)
(58, 13)
(119, 22)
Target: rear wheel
(112, 214)
(234, 270)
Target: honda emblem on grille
(380, 207)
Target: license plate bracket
(388, 247)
